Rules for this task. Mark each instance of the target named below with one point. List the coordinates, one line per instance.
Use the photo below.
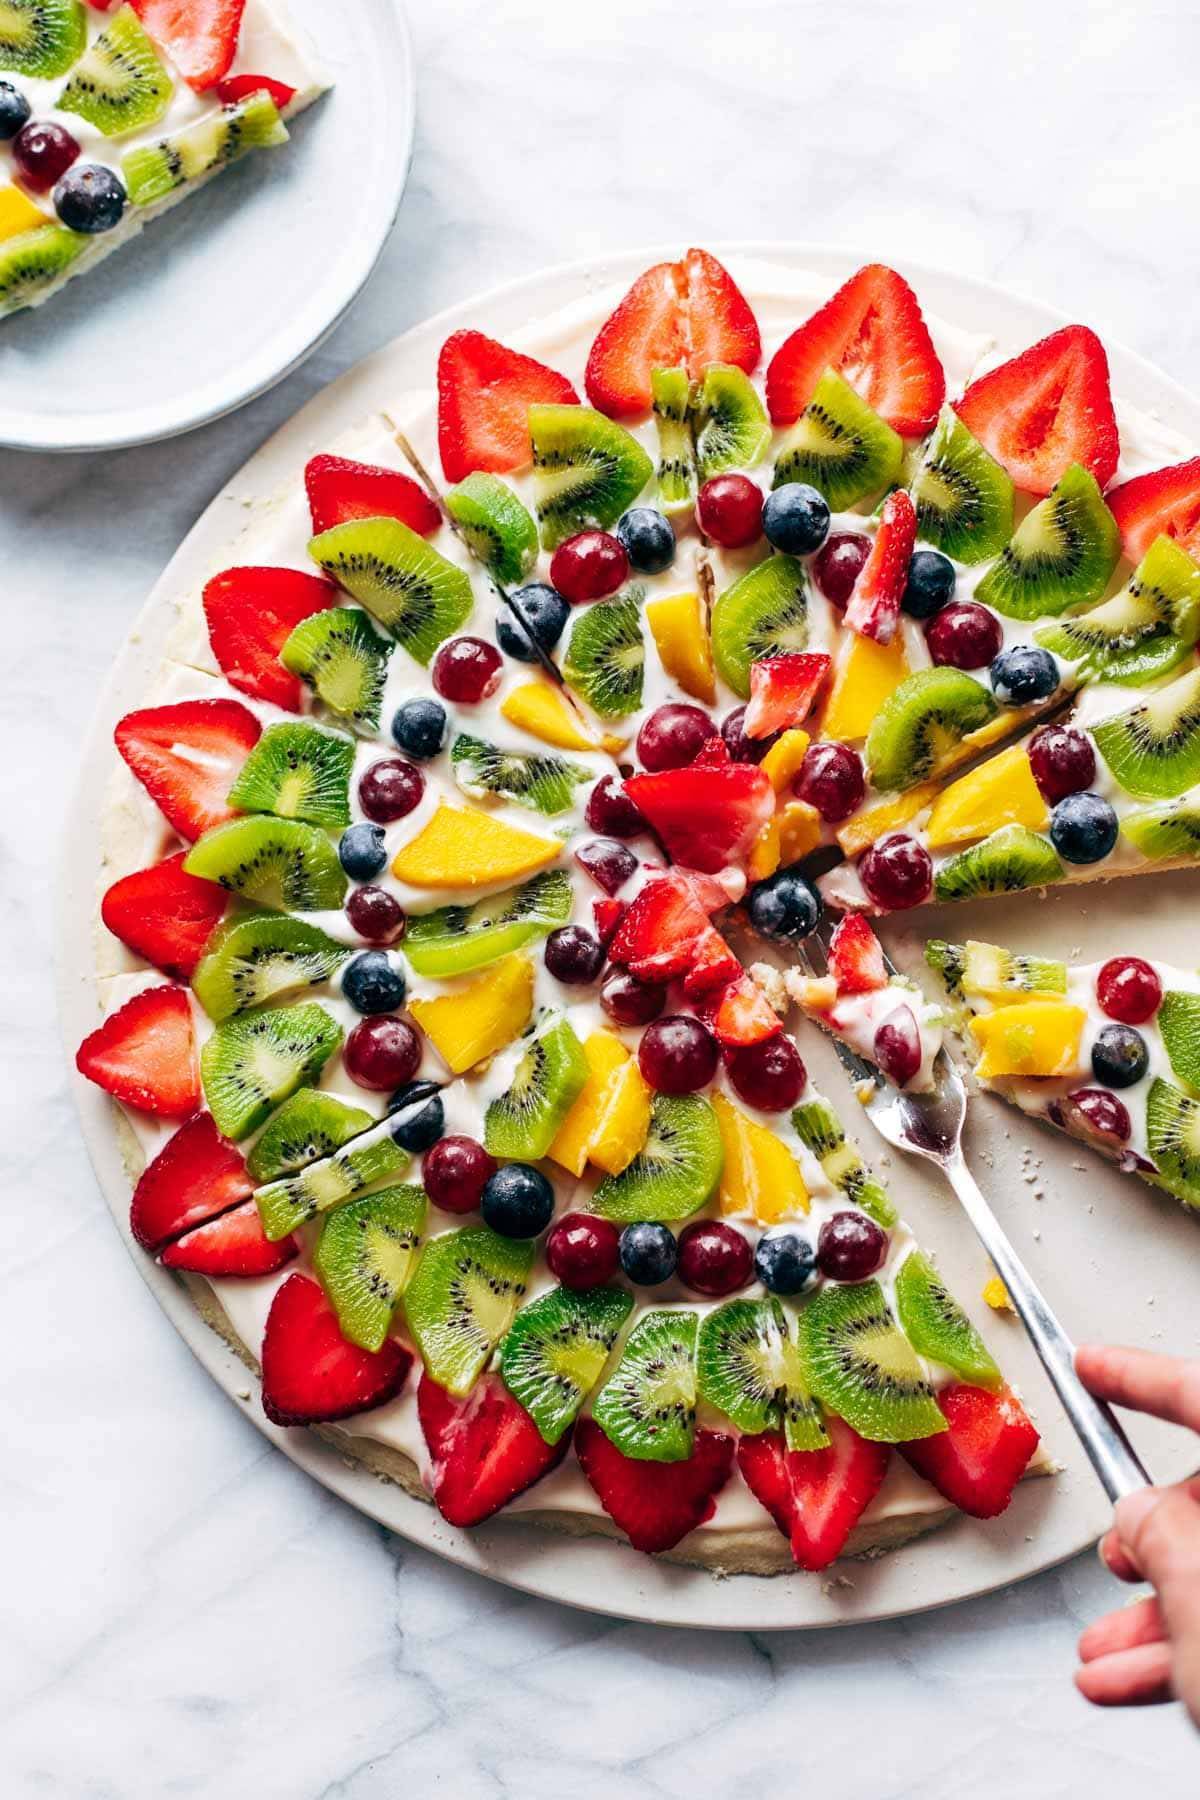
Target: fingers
(1125, 1629)
(1165, 1386)
(1116, 1560)
(1140, 1676)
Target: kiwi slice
(922, 720)
(748, 1367)
(993, 973)
(545, 784)
(1173, 1139)
(676, 471)
(839, 446)
(343, 659)
(732, 428)
(41, 37)
(297, 772)
(523, 1121)
(647, 1407)
(864, 1368)
(309, 1126)
(1003, 863)
(498, 530)
(963, 498)
(410, 587)
(764, 613)
(1143, 632)
(357, 1165)
(118, 84)
(1179, 1022)
(455, 940)
(1165, 832)
(256, 1059)
(555, 1352)
(1061, 554)
(606, 655)
(33, 259)
(586, 470)
(277, 863)
(820, 1130)
(152, 171)
(461, 1301)
(937, 1327)
(675, 1172)
(364, 1257)
(1153, 749)
(260, 957)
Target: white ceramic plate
(1115, 1259)
(225, 294)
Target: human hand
(1149, 1652)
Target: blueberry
(546, 611)
(1023, 674)
(1119, 1056)
(785, 1262)
(372, 984)
(419, 727)
(648, 539)
(648, 1254)
(420, 1117)
(785, 906)
(930, 584)
(1083, 828)
(361, 851)
(518, 1201)
(14, 111)
(795, 518)
(90, 198)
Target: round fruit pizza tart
(444, 860)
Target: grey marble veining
(181, 1611)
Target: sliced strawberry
(234, 1244)
(713, 965)
(339, 489)
(250, 613)
(608, 914)
(310, 1372)
(485, 391)
(655, 1504)
(739, 1014)
(1167, 501)
(199, 36)
(165, 915)
(1046, 409)
(145, 1054)
(485, 1448)
(873, 609)
(816, 1497)
(782, 690)
(707, 816)
(690, 312)
(856, 957)
(978, 1462)
(186, 756)
(196, 1176)
(873, 333)
(663, 929)
(240, 87)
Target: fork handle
(1111, 1454)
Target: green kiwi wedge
(405, 584)
(1173, 1139)
(587, 470)
(545, 784)
(1179, 1021)
(256, 1059)
(963, 498)
(1153, 749)
(839, 446)
(731, 424)
(763, 613)
(260, 957)
(1165, 833)
(675, 1172)
(676, 470)
(555, 1352)
(748, 1367)
(920, 724)
(41, 38)
(154, 170)
(647, 1407)
(1143, 632)
(606, 655)
(819, 1129)
(309, 1126)
(937, 1327)
(524, 1120)
(455, 940)
(498, 530)
(118, 84)
(864, 1369)
(461, 1300)
(33, 259)
(992, 972)
(359, 1164)
(278, 863)
(364, 1257)
(1060, 556)
(297, 771)
(1005, 862)
(342, 658)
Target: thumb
(1159, 1528)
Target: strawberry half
(740, 1014)
(196, 1176)
(186, 756)
(663, 929)
(816, 1497)
(164, 914)
(873, 609)
(240, 87)
(1046, 409)
(310, 1373)
(251, 612)
(485, 1448)
(655, 1504)
(873, 333)
(713, 965)
(782, 690)
(707, 815)
(978, 1462)
(199, 36)
(690, 312)
(339, 489)
(234, 1244)
(856, 957)
(1165, 501)
(485, 391)
(145, 1054)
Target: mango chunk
(865, 675)
(18, 214)
(763, 859)
(799, 831)
(481, 1017)
(760, 1175)
(460, 847)
(684, 647)
(863, 828)
(542, 710)
(1039, 1037)
(996, 1295)
(999, 792)
(783, 759)
(609, 1122)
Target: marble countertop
(182, 1611)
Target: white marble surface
(181, 1611)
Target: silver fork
(930, 1125)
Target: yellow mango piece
(461, 847)
(18, 213)
(864, 827)
(760, 1175)
(996, 1295)
(609, 1121)
(684, 649)
(999, 792)
(1039, 1037)
(544, 711)
(763, 859)
(865, 675)
(799, 831)
(482, 1016)
(783, 759)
